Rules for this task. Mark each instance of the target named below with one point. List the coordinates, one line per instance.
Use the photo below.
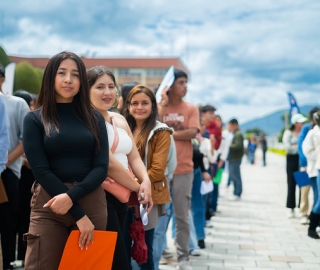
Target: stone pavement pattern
(255, 233)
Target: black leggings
(292, 166)
(117, 216)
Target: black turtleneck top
(67, 156)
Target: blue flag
(294, 108)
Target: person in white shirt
(311, 149)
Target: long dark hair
(80, 104)
(149, 123)
(125, 90)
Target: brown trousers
(48, 232)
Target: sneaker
(195, 252)
(184, 265)
(304, 220)
(201, 244)
(209, 224)
(166, 254)
(318, 229)
(290, 213)
(163, 261)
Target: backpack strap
(116, 135)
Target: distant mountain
(271, 124)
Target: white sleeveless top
(124, 146)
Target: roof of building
(156, 63)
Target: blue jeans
(193, 243)
(159, 239)
(198, 205)
(214, 195)
(316, 207)
(251, 157)
(313, 183)
(235, 176)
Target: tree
(4, 59)
(39, 72)
(27, 77)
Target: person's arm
(140, 172)
(186, 134)
(210, 152)
(4, 135)
(172, 159)
(15, 154)
(160, 156)
(122, 176)
(308, 147)
(198, 158)
(34, 149)
(22, 110)
(302, 159)
(286, 142)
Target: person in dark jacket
(236, 154)
(264, 147)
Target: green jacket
(236, 147)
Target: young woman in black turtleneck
(65, 142)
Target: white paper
(206, 187)
(144, 214)
(168, 80)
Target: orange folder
(98, 256)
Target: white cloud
(243, 55)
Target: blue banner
(294, 108)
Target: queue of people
(302, 145)
(66, 144)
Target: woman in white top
(103, 95)
(290, 141)
(311, 149)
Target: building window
(130, 72)
(156, 72)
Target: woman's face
(218, 121)
(298, 126)
(140, 107)
(103, 93)
(67, 81)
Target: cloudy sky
(243, 55)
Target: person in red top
(208, 118)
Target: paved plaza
(255, 233)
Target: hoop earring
(115, 104)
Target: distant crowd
(302, 145)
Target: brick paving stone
(304, 266)
(285, 259)
(310, 259)
(254, 247)
(280, 265)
